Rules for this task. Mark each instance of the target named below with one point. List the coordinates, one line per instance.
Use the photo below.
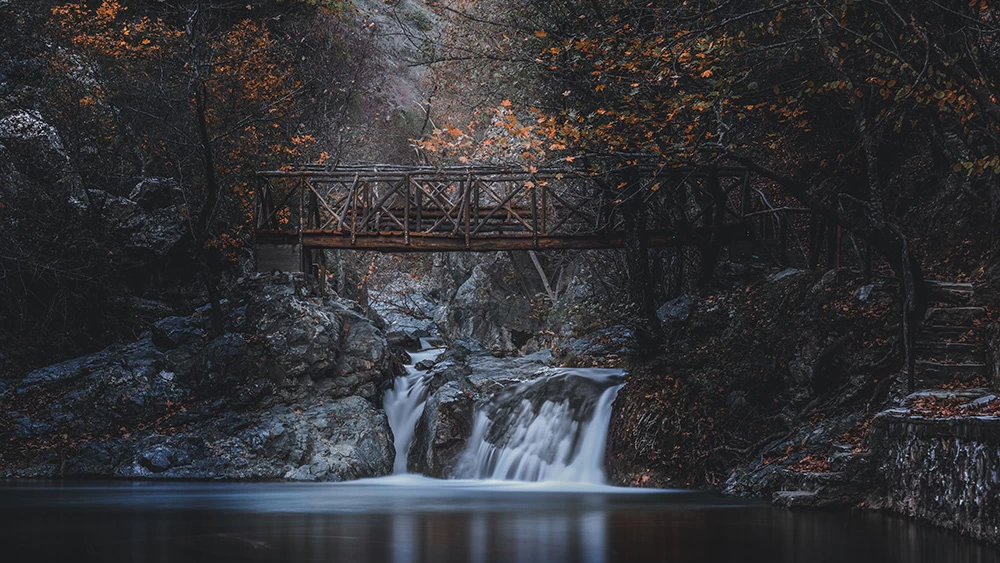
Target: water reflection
(402, 525)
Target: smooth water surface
(410, 518)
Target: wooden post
(815, 228)
(466, 203)
(406, 212)
(354, 217)
(475, 202)
(303, 263)
(322, 273)
(534, 214)
(420, 208)
(544, 205)
(745, 196)
(314, 222)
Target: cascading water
(535, 434)
(404, 403)
(550, 428)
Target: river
(407, 518)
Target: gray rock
(678, 309)
(487, 310)
(301, 337)
(424, 365)
(402, 339)
(442, 432)
(277, 401)
(157, 193)
(34, 147)
(365, 364)
(601, 343)
(77, 367)
(172, 332)
(157, 231)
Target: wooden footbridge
(391, 208)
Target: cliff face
(290, 390)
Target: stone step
(945, 333)
(956, 352)
(954, 293)
(944, 372)
(962, 395)
(811, 499)
(954, 316)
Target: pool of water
(415, 519)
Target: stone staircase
(949, 349)
(949, 346)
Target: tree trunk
(717, 214)
(209, 258)
(640, 286)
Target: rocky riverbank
(792, 389)
(291, 390)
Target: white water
(404, 403)
(548, 445)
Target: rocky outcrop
(602, 347)
(37, 152)
(288, 391)
(340, 440)
(490, 308)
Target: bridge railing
(480, 208)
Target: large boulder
(35, 149)
(365, 358)
(328, 441)
(302, 340)
(157, 216)
(442, 432)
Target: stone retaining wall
(944, 471)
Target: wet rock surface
(442, 432)
(509, 390)
(287, 392)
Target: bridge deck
(425, 242)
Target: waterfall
(404, 403)
(550, 429)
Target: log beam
(423, 242)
